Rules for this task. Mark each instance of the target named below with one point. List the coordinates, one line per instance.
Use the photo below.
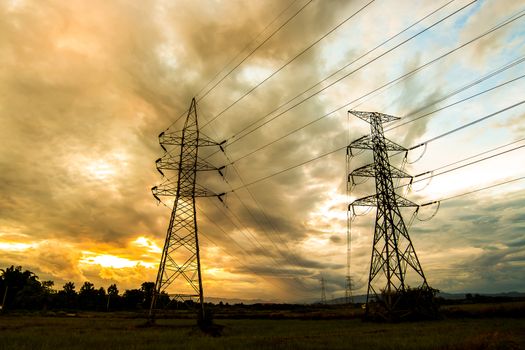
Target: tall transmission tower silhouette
(394, 262)
(180, 263)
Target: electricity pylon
(348, 280)
(393, 255)
(323, 291)
(180, 263)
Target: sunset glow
(106, 260)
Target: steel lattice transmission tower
(393, 256)
(323, 291)
(180, 263)
(348, 280)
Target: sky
(86, 87)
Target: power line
(476, 155)
(464, 165)
(404, 76)
(353, 61)
(281, 254)
(227, 252)
(289, 168)
(481, 189)
(410, 121)
(246, 57)
(267, 220)
(344, 147)
(468, 125)
(455, 103)
(256, 48)
(244, 229)
(501, 69)
(228, 236)
(391, 82)
(238, 138)
(247, 45)
(287, 63)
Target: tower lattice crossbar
(394, 260)
(180, 264)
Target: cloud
(87, 87)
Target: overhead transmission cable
(288, 62)
(406, 122)
(233, 256)
(467, 125)
(247, 46)
(243, 132)
(249, 54)
(479, 189)
(275, 263)
(261, 226)
(389, 83)
(432, 174)
(455, 103)
(263, 212)
(386, 130)
(255, 49)
(347, 104)
(227, 235)
(284, 256)
(499, 70)
(245, 229)
(411, 148)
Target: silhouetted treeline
(22, 289)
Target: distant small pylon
(349, 298)
(323, 291)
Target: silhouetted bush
(411, 304)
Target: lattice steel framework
(180, 261)
(323, 291)
(393, 254)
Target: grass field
(107, 331)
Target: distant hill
(459, 296)
(360, 298)
(232, 301)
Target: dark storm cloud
(483, 234)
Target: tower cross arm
(174, 138)
(367, 142)
(369, 171)
(371, 201)
(170, 162)
(169, 189)
(367, 116)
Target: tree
(48, 293)
(48, 286)
(113, 297)
(113, 290)
(87, 296)
(69, 288)
(67, 297)
(20, 288)
(133, 298)
(148, 288)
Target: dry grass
(91, 331)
